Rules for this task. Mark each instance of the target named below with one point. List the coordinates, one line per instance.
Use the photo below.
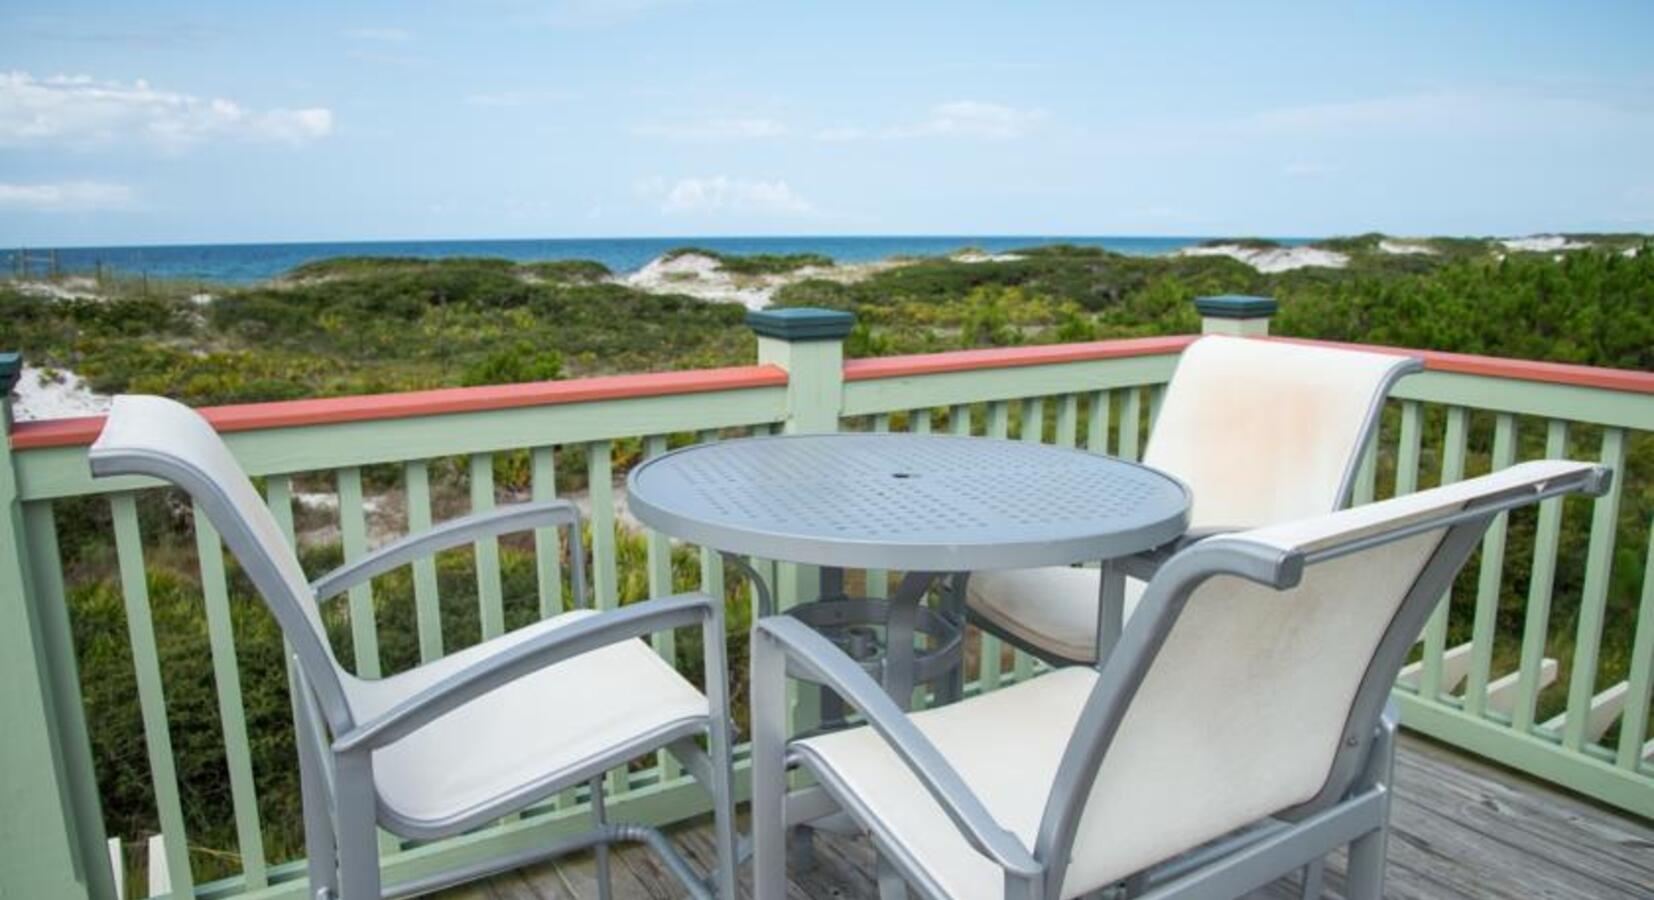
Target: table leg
(952, 688)
(1111, 609)
(898, 636)
(831, 587)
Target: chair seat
(1005, 744)
(532, 732)
(1053, 608)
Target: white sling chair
(1260, 431)
(1237, 732)
(479, 734)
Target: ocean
(245, 263)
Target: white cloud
(78, 110)
(722, 193)
(971, 119)
(1456, 111)
(65, 196)
(383, 35)
(749, 129)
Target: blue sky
(172, 122)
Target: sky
(167, 122)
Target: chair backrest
(1269, 431)
(1251, 679)
(164, 439)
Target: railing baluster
(548, 556)
(1488, 579)
(712, 565)
(152, 706)
(364, 634)
(1634, 723)
(57, 635)
(605, 579)
(490, 595)
(427, 599)
(1157, 396)
(1407, 452)
(919, 421)
(1435, 630)
(989, 661)
(877, 581)
(1541, 584)
(1033, 432)
(959, 419)
(1131, 414)
(658, 549)
(231, 712)
(1096, 432)
(1599, 558)
(1366, 473)
(1068, 419)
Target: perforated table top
(907, 502)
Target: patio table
(927, 505)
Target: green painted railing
(1527, 684)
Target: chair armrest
(812, 656)
(452, 533)
(557, 645)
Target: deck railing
(1539, 694)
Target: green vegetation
(362, 324)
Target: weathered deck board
(1461, 829)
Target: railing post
(1235, 314)
(40, 852)
(809, 344)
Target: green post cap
(1236, 306)
(11, 368)
(801, 323)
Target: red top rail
(252, 416)
(1630, 380)
(323, 411)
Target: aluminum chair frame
(1351, 808)
(1143, 566)
(342, 809)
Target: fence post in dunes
(1235, 314)
(43, 852)
(809, 344)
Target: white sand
(1273, 259)
(67, 289)
(1404, 248)
(54, 394)
(698, 275)
(977, 256)
(1544, 243)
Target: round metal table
(927, 504)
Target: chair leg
(1314, 879)
(769, 770)
(320, 842)
(1365, 880)
(605, 887)
(719, 739)
(358, 830)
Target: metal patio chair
(1238, 732)
(477, 735)
(1260, 431)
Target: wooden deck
(1461, 829)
